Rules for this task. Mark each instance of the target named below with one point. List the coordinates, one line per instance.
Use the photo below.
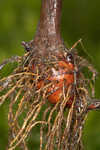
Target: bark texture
(48, 35)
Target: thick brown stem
(48, 32)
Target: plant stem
(48, 34)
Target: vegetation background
(80, 19)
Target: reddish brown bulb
(63, 75)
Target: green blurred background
(80, 19)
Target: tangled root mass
(29, 88)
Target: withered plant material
(37, 77)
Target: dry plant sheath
(48, 80)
